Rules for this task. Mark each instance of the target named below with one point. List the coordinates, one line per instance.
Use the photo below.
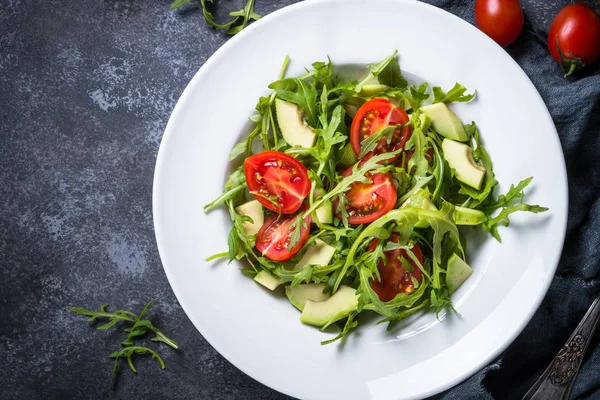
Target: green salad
(355, 200)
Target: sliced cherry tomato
(371, 117)
(574, 37)
(502, 20)
(368, 201)
(273, 238)
(395, 278)
(278, 181)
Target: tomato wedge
(273, 238)
(368, 201)
(374, 115)
(278, 181)
(395, 278)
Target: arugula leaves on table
(139, 328)
(240, 20)
(128, 352)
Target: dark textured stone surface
(86, 89)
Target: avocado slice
(371, 89)
(319, 254)
(468, 216)
(347, 156)
(445, 122)
(294, 129)
(460, 157)
(338, 306)
(325, 212)
(457, 272)
(254, 210)
(350, 110)
(299, 295)
(267, 280)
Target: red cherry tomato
(394, 276)
(278, 181)
(502, 20)
(575, 33)
(371, 117)
(368, 201)
(273, 238)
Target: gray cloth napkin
(575, 108)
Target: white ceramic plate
(260, 332)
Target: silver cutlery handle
(557, 380)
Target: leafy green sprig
(139, 328)
(240, 20)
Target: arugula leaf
(442, 175)
(370, 143)
(440, 299)
(327, 138)
(232, 243)
(132, 331)
(234, 186)
(113, 317)
(295, 90)
(414, 96)
(420, 181)
(480, 154)
(297, 225)
(404, 313)
(350, 324)
(491, 225)
(305, 275)
(454, 94)
(245, 146)
(243, 244)
(417, 143)
(377, 68)
(324, 73)
(371, 301)
(128, 352)
(179, 3)
(139, 328)
(510, 202)
(241, 18)
(246, 15)
(391, 76)
(515, 193)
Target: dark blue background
(86, 88)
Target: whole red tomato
(574, 37)
(502, 20)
